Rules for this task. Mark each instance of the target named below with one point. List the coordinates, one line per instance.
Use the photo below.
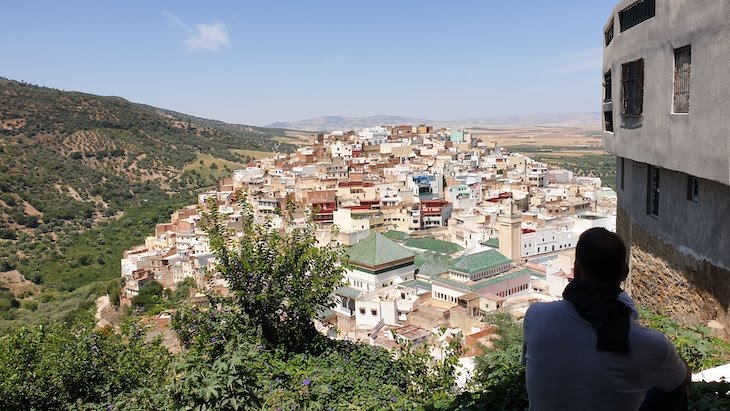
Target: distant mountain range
(330, 123)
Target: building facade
(666, 98)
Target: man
(587, 352)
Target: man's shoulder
(649, 337)
(540, 310)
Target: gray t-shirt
(565, 371)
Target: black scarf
(597, 303)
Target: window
(632, 88)
(362, 311)
(693, 189)
(652, 195)
(373, 311)
(682, 63)
(609, 34)
(607, 86)
(639, 12)
(623, 172)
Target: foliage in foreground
(56, 366)
(500, 376)
(280, 281)
(229, 363)
(695, 344)
(240, 356)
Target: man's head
(601, 256)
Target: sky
(265, 61)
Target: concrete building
(666, 99)
(546, 240)
(436, 213)
(426, 186)
(350, 220)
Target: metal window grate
(682, 65)
(632, 88)
(607, 86)
(639, 12)
(609, 34)
(608, 120)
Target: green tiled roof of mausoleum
(377, 249)
(396, 235)
(434, 244)
(478, 262)
(492, 242)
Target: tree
(279, 280)
(149, 295)
(499, 372)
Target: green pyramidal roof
(434, 244)
(492, 242)
(377, 249)
(397, 235)
(474, 263)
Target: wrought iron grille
(639, 12)
(632, 88)
(609, 34)
(682, 65)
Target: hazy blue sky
(259, 62)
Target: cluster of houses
(441, 227)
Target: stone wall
(665, 280)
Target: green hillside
(73, 163)
(72, 154)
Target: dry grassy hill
(82, 176)
(72, 155)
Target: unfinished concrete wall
(700, 228)
(661, 278)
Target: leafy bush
(709, 396)
(228, 362)
(694, 344)
(30, 305)
(499, 373)
(149, 295)
(54, 366)
(8, 234)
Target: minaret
(510, 233)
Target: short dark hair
(601, 255)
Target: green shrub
(30, 305)
(149, 295)
(8, 234)
(54, 366)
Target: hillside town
(440, 228)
